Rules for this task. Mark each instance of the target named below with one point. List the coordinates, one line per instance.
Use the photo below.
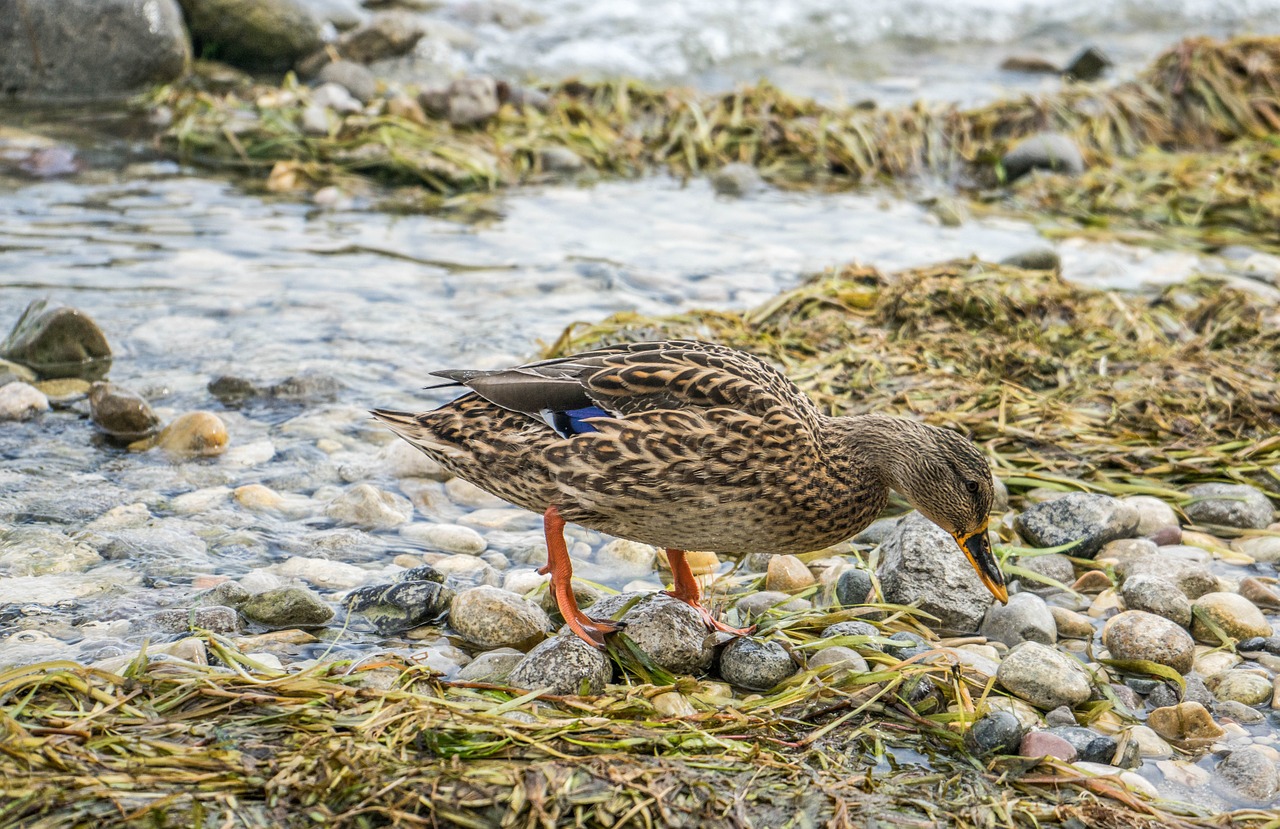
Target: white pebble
(448, 538)
(21, 401)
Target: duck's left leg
(686, 590)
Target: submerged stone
(58, 341)
(402, 606)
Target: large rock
(402, 606)
(920, 561)
(54, 50)
(670, 632)
(1091, 519)
(1135, 634)
(57, 341)
(563, 664)
(1044, 677)
(253, 34)
(1229, 505)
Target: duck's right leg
(560, 567)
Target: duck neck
(876, 446)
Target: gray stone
(1251, 774)
(1227, 505)
(1044, 677)
(1026, 618)
(1088, 64)
(1138, 635)
(212, 618)
(752, 607)
(1090, 519)
(996, 732)
(1159, 596)
(228, 593)
(231, 390)
(493, 618)
(85, 49)
(1240, 712)
(853, 587)
(853, 628)
(253, 34)
(1055, 566)
(472, 101)
(287, 607)
(669, 632)
(1167, 695)
(1154, 515)
(751, 663)
(1034, 259)
(370, 508)
(492, 666)
(402, 606)
(1193, 578)
(1045, 151)
(560, 160)
(120, 413)
(354, 77)
(386, 35)
(21, 401)
(335, 97)
(736, 180)
(447, 538)
(565, 665)
(837, 662)
(877, 531)
(58, 341)
(309, 387)
(920, 561)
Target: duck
(691, 445)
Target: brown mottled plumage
(703, 447)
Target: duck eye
(972, 486)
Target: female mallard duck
(694, 446)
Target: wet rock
(253, 34)
(837, 663)
(787, 574)
(904, 645)
(321, 572)
(1136, 634)
(491, 666)
(1167, 695)
(1046, 744)
(877, 531)
(1233, 613)
(1154, 515)
(1249, 773)
(1259, 645)
(402, 606)
(669, 631)
(563, 664)
(920, 561)
(493, 618)
(1088, 65)
(1035, 259)
(21, 401)
(190, 435)
(755, 605)
(1026, 618)
(212, 618)
(371, 508)
(1193, 578)
(1159, 596)
(447, 538)
(385, 35)
(38, 551)
(1092, 582)
(1186, 722)
(47, 53)
(1149, 743)
(1030, 64)
(1044, 677)
(1051, 151)
(231, 390)
(627, 557)
(1264, 549)
(472, 101)
(996, 732)
(1227, 505)
(57, 341)
(462, 571)
(120, 413)
(736, 180)
(352, 77)
(751, 663)
(1089, 745)
(1091, 519)
(1054, 566)
(1209, 663)
(560, 160)
(853, 587)
(312, 387)
(11, 372)
(1237, 711)
(228, 594)
(1260, 593)
(1071, 625)
(1244, 687)
(852, 628)
(287, 607)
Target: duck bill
(977, 549)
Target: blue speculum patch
(573, 421)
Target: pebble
(853, 628)
(509, 519)
(1233, 613)
(1044, 677)
(1264, 549)
(627, 558)
(287, 607)
(1132, 780)
(1187, 723)
(402, 106)
(21, 401)
(1092, 582)
(1229, 505)
(996, 732)
(1249, 773)
(471, 101)
(1154, 515)
(190, 650)
(700, 563)
(120, 413)
(194, 434)
(370, 508)
(787, 574)
(214, 618)
(1088, 518)
(65, 391)
(1244, 687)
(1046, 744)
(853, 587)
(877, 531)
(335, 97)
(838, 663)
(467, 494)
(521, 582)
(447, 538)
(1071, 625)
(736, 180)
(489, 617)
(401, 606)
(1162, 597)
(1026, 618)
(1138, 635)
(1209, 663)
(669, 632)
(1260, 593)
(1054, 566)
(401, 460)
(560, 160)
(351, 76)
(920, 562)
(258, 497)
(1044, 151)
(332, 575)
(673, 704)
(1193, 578)
(462, 571)
(492, 666)
(563, 664)
(755, 605)
(1149, 743)
(754, 664)
(1088, 65)
(228, 593)
(1239, 712)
